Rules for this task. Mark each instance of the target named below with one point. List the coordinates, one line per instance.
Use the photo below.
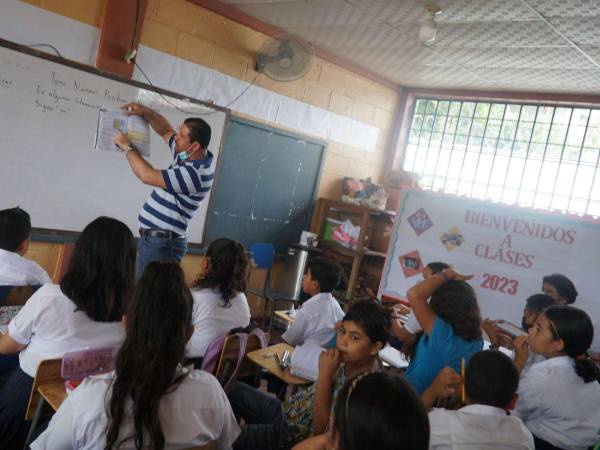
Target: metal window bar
(420, 133)
(539, 176)
(562, 153)
(462, 166)
(424, 143)
(487, 121)
(435, 115)
(587, 124)
(453, 143)
(537, 109)
(589, 196)
(512, 149)
(437, 160)
(489, 177)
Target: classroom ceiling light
(428, 29)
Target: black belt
(154, 232)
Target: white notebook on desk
(305, 360)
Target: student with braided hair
(220, 303)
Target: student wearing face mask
(534, 307)
(178, 190)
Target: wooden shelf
(360, 216)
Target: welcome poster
(508, 249)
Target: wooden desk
(54, 394)
(283, 315)
(265, 358)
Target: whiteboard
(48, 165)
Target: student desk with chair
(265, 358)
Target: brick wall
(201, 36)
(185, 30)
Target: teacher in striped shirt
(179, 189)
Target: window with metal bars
(532, 155)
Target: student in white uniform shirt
(220, 304)
(15, 230)
(316, 319)
(405, 332)
(491, 382)
(150, 401)
(81, 313)
(535, 305)
(559, 398)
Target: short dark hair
(100, 276)
(563, 285)
(15, 227)
(326, 272)
(199, 131)
(491, 378)
(437, 266)
(373, 318)
(537, 303)
(379, 411)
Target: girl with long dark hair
(451, 325)
(559, 398)
(375, 411)
(82, 313)
(220, 303)
(150, 401)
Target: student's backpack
(210, 361)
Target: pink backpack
(215, 348)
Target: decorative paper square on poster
(508, 249)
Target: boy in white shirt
(491, 382)
(15, 230)
(316, 319)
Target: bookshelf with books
(357, 238)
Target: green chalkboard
(265, 185)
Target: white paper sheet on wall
(18, 19)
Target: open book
(305, 360)
(111, 120)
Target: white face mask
(182, 156)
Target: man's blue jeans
(151, 248)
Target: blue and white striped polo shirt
(188, 182)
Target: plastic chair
(263, 256)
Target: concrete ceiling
(516, 45)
